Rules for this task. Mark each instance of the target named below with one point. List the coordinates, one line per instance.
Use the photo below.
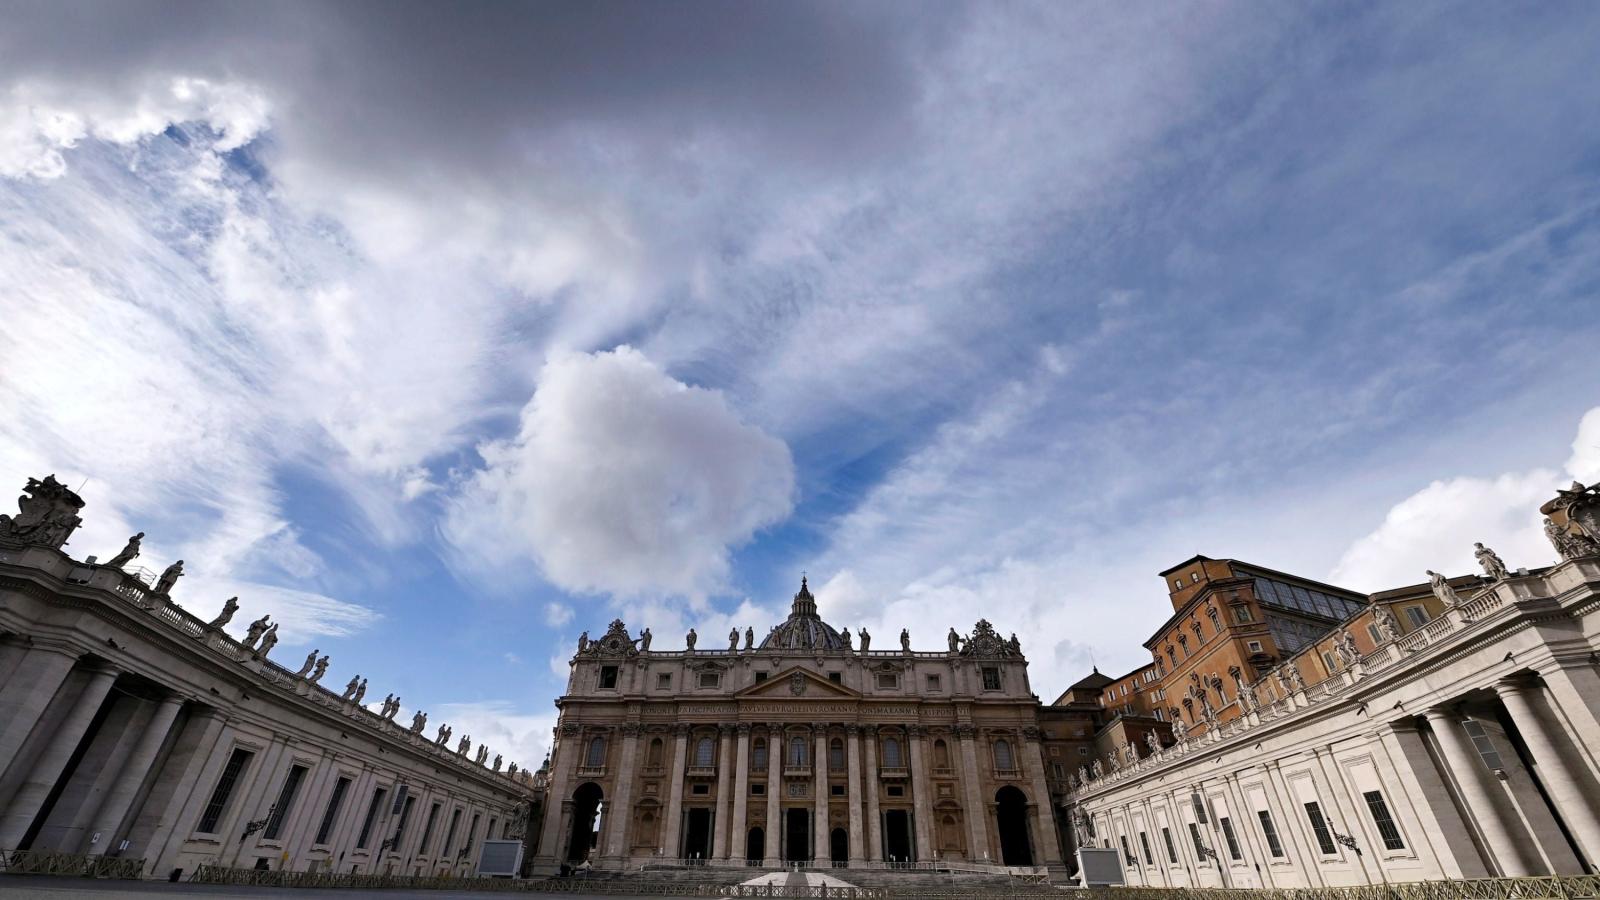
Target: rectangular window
(1274, 845)
(710, 679)
(836, 677)
(1127, 853)
(608, 677)
(1417, 616)
(1199, 807)
(371, 818)
(1172, 849)
(1376, 635)
(449, 848)
(664, 680)
(760, 677)
(1242, 614)
(888, 680)
(991, 678)
(700, 789)
(1144, 844)
(1199, 845)
(1319, 825)
(896, 790)
(280, 810)
(1255, 646)
(758, 789)
(1058, 770)
(1230, 837)
(1328, 662)
(836, 790)
(933, 682)
(331, 814)
(427, 829)
(1385, 822)
(400, 829)
(1484, 746)
(224, 789)
(1083, 751)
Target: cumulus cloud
(623, 480)
(517, 736)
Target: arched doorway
(1011, 811)
(755, 847)
(585, 806)
(796, 834)
(839, 846)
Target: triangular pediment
(796, 683)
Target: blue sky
(445, 334)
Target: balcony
(591, 771)
(892, 772)
(796, 770)
(702, 772)
(1008, 774)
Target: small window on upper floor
(760, 677)
(991, 678)
(1255, 646)
(1177, 584)
(710, 679)
(664, 681)
(933, 682)
(1194, 577)
(1417, 616)
(836, 677)
(1329, 662)
(1242, 614)
(608, 677)
(888, 680)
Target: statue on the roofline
(169, 578)
(129, 551)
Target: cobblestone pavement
(24, 887)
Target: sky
(444, 333)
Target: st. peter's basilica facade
(811, 746)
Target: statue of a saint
(866, 639)
(444, 735)
(229, 607)
(955, 641)
(749, 637)
(1442, 589)
(463, 745)
(847, 639)
(268, 640)
(1493, 565)
(1014, 645)
(733, 639)
(1385, 621)
(690, 638)
(1153, 741)
(361, 691)
(129, 551)
(483, 754)
(645, 637)
(419, 721)
(583, 642)
(320, 670)
(1297, 682)
(1345, 646)
(255, 631)
(905, 640)
(305, 667)
(350, 689)
(169, 578)
(497, 762)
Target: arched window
(652, 757)
(891, 754)
(797, 751)
(597, 753)
(704, 752)
(1002, 756)
(941, 755)
(836, 755)
(758, 755)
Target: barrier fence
(47, 862)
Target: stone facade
(805, 748)
(129, 727)
(1443, 730)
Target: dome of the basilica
(804, 629)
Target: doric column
(719, 818)
(114, 808)
(619, 815)
(977, 811)
(741, 794)
(680, 757)
(565, 758)
(30, 796)
(1465, 763)
(774, 789)
(1033, 766)
(852, 751)
(819, 840)
(921, 794)
(1553, 768)
(874, 818)
(34, 681)
(173, 805)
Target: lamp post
(255, 826)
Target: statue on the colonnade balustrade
(483, 753)
(129, 551)
(690, 639)
(905, 640)
(733, 639)
(419, 721)
(311, 660)
(497, 762)
(1345, 646)
(254, 632)
(444, 735)
(866, 639)
(1493, 565)
(169, 578)
(1573, 521)
(361, 691)
(846, 636)
(229, 607)
(749, 637)
(1442, 589)
(1385, 621)
(465, 744)
(268, 640)
(955, 641)
(645, 637)
(320, 670)
(1153, 740)
(350, 689)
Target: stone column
(819, 839)
(560, 792)
(852, 749)
(114, 807)
(721, 813)
(741, 795)
(173, 805)
(771, 849)
(1553, 769)
(874, 818)
(680, 757)
(1045, 827)
(1468, 769)
(30, 687)
(619, 815)
(35, 788)
(977, 811)
(921, 794)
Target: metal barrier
(1538, 887)
(49, 862)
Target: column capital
(820, 729)
(775, 729)
(914, 730)
(743, 728)
(631, 729)
(852, 730)
(1513, 684)
(681, 730)
(1444, 712)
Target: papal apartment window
(286, 795)
(331, 814)
(608, 677)
(1242, 614)
(1385, 822)
(224, 790)
(991, 678)
(1270, 831)
(664, 680)
(1319, 826)
(710, 679)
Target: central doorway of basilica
(755, 847)
(897, 835)
(796, 835)
(697, 834)
(1011, 810)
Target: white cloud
(624, 480)
(1584, 463)
(301, 616)
(557, 614)
(517, 736)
